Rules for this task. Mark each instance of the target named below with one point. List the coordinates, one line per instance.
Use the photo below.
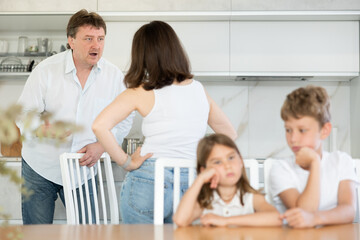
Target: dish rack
(13, 64)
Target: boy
(316, 187)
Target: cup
(22, 44)
(4, 46)
(43, 44)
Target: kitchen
(248, 56)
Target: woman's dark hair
(157, 58)
(204, 149)
(82, 18)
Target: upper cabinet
(164, 5)
(227, 38)
(324, 48)
(206, 43)
(46, 5)
(295, 5)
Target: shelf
(27, 54)
(23, 75)
(57, 21)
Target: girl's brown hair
(157, 58)
(309, 101)
(204, 149)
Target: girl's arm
(114, 113)
(189, 209)
(265, 215)
(344, 212)
(218, 121)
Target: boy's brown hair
(312, 101)
(204, 149)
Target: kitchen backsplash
(254, 110)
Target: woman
(176, 110)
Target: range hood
(313, 77)
(273, 78)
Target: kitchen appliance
(131, 144)
(12, 64)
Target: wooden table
(134, 232)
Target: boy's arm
(344, 212)
(265, 215)
(309, 199)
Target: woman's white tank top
(177, 121)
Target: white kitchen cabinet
(164, 5)
(207, 43)
(325, 48)
(10, 197)
(291, 5)
(47, 5)
(355, 117)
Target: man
(74, 86)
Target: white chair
(253, 176)
(72, 173)
(267, 168)
(177, 164)
(357, 170)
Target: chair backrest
(357, 170)
(177, 164)
(72, 173)
(253, 166)
(267, 168)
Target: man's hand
(93, 152)
(299, 218)
(48, 130)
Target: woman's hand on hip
(137, 160)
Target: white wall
(254, 110)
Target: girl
(221, 194)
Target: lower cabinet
(10, 196)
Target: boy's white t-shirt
(335, 167)
(233, 208)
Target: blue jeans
(39, 207)
(137, 194)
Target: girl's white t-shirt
(234, 208)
